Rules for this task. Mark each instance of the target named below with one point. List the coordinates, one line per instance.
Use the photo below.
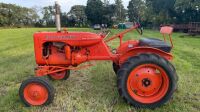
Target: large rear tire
(174, 70)
(146, 81)
(115, 67)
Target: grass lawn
(92, 89)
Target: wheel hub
(145, 83)
(35, 94)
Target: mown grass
(92, 89)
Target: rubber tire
(65, 78)
(174, 70)
(115, 68)
(44, 82)
(135, 61)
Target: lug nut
(135, 91)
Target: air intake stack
(57, 16)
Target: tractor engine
(59, 53)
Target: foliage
(151, 13)
(94, 11)
(187, 10)
(109, 12)
(13, 15)
(106, 13)
(120, 11)
(136, 10)
(159, 12)
(49, 16)
(77, 16)
(171, 11)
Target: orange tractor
(145, 77)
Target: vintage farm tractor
(145, 77)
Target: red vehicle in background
(145, 76)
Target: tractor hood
(71, 38)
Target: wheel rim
(147, 83)
(35, 94)
(59, 75)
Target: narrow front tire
(36, 91)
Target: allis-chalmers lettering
(59, 37)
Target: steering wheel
(139, 29)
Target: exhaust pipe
(57, 16)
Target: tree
(120, 11)
(94, 11)
(71, 20)
(161, 5)
(13, 15)
(159, 12)
(108, 14)
(78, 11)
(64, 19)
(49, 15)
(106, 2)
(136, 10)
(187, 11)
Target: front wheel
(36, 91)
(146, 81)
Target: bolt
(135, 91)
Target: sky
(65, 4)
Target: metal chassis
(43, 70)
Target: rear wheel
(146, 81)
(174, 70)
(115, 67)
(36, 91)
(64, 75)
(172, 67)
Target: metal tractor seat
(157, 43)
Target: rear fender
(126, 46)
(140, 50)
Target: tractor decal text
(59, 37)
